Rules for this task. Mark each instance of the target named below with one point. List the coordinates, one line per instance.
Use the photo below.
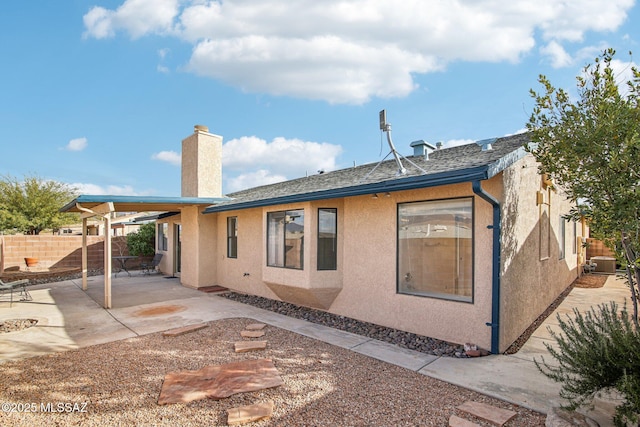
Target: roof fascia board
(100, 210)
(505, 161)
(144, 200)
(411, 183)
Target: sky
(99, 94)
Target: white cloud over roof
(77, 144)
(290, 158)
(350, 51)
(168, 156)
(111, 190)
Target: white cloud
(282, 157)
(168, 156)
(162, 53)
(455, 142)
(559, 57)
(112, 190)
(137, 17)
(77, 144)
(349, 52)
(251, 179)
(162, 69)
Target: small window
(285, 239)
(163, 230)
(575, 238)
(232, 237)
(327, 239)
(435, 249)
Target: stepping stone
(255, 326)
(252, 334)
(455, 421)
(245, 346)
(247, 414)
(497, 416)
(219, 381)
(184, 330)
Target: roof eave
(410, 183)
(142, 202)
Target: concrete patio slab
(409, 359)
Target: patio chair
(589, 267)
(148, 267)
(11, 286)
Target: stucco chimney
(422, 148)
(202, 164)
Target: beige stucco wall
(199, 250)
(369, 291)
(364, 285)
(530, 279)
(366, 273)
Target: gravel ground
(324, 385)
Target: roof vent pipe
(422, 148)
(485, 144)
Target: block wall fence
(58, 251)
(598, 248)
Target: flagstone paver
(249, 413)
(497, 416)
(184, 330)
(252, 334)
(245, 346)
(219, 381)
(455, 421)
(255, 326)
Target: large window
(232, 237)
(163, 230)
(435, 249)
(327, 238)
(285, 239)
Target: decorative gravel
(13, 325)
(118, 384)
(394, 336)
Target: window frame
(441, 296)
(232, 237)
(332, 265)
(284, 214)
(162, 230)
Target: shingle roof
(463, 163)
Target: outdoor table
(123, 263)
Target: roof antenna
(386, 127)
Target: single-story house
(464, 244)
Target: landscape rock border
(15, 325)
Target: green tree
(142, 242)
(591, 148)
(32, 205)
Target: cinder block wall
(59, 251)
(597, 248)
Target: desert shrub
(598, 351)
(142, 242)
